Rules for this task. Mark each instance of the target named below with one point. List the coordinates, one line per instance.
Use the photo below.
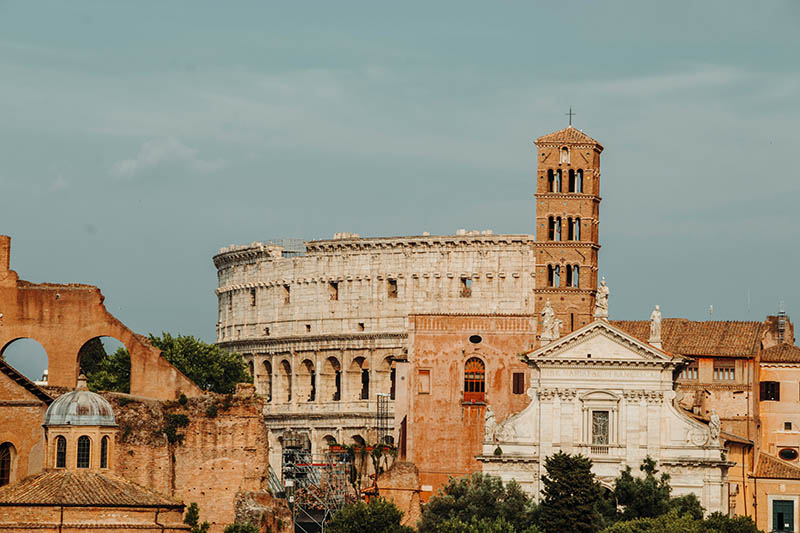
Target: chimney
(5, 253)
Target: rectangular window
(333, 290)
(360, 326)
(724, 370)
(770, 391)
(600, 427)
(466, 287)
(252, 297)
(787, 426)
(518, 382)
(308, 328)
(689, 373)
(391, 288)
(424, 382)
(287, 294)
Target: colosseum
(322, 324)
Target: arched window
(569, 276)
(579, 181)
(551, 181)
(571, 180)
(576, 276)
(61, 452)
(266, 381)
(6, 452)
(104, 453)
(576, 229)
(558, 181)
(84, 451)
(474, 380)
(554, 275)
(564, 155)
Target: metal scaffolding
(316, 485)
(382, 420)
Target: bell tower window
(579, 181)
(554, 275)
(564, 155)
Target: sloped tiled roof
(687, 337)
(781, 353)
(79, 489)
(567, 135)
(773, 468)
(34, 389)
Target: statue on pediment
(655, 326)
(489, 424)
(549, 326)
(714, 427)
(601, 301)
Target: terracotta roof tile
(687, 337)
(774, 468)
(83, 488)
(567, 135)
(12, 373)
(781, 353)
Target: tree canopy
(209, 366)
(378, 515)
(571, 496)
(479, 503)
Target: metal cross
(570, 115)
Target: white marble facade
(604, 394)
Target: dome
(81, 407)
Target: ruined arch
(358, 379)
(331, 386)
(63, 317)
(28, 357)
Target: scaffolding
(781, 323)
(316, 485)
(382, 420)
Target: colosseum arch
(264, 381)
(283, 390)
(63, 317)
(306, 382)
(358, 379)
(331, 382)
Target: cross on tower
(570, 115)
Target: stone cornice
(567, 196)
(534, 459)
(568, 244)
(695, 386)
(317, 342)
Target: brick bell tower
(567, 220)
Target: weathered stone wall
(400, 485)
(219, 455)
(444, 427)
(62, 318)
(21, 415)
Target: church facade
(606, 395)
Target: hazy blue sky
(137, 138)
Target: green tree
(475, 498)
(671, 522)
(238, 527)
(209, 366)
(483, 525)
(111, 373)
(720, 523)
(379, 516)
(688, 504)
(90, 356)
(570, 495)
(645, 497)
(192, 519)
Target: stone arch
(358, 379)
(331, 383)
(358, 440)
(283, 392)
(63, 317)
(264, 383)
(388, 376)
(327, 441)
(91, 354)
(306, 381)
(28, 357)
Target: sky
(137, 138)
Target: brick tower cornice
(569, 136)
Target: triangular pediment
(600, 342)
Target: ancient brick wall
(21, 414)
(445, 426)
(62, 318)
(220, 454)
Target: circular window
(475, 339)
(788, 454)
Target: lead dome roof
(81, 407)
